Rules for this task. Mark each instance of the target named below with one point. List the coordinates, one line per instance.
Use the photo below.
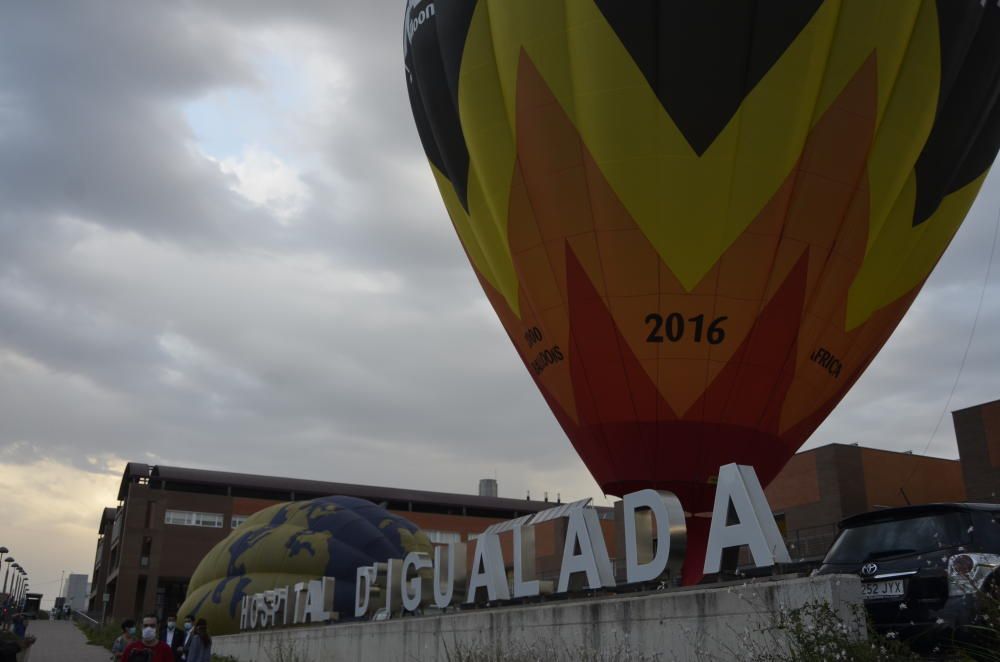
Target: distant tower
(488, 487)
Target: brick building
(978, 432)
(168, 518)
(820, 487)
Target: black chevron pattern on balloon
(965, 137)
(434, 34)
(702, 57)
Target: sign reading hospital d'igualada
(443, 579)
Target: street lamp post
(8, 561)
(15, 583)
(16, 589)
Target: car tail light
(962, 564)
(967, 572)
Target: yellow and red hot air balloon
(699, 221)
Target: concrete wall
(697, 623)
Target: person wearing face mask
(188, 633)
(173, 637)
(149, 648)
(121, 643)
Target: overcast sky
(221, 246)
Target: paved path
(62, 641)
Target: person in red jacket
(149, 648)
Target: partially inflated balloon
(296, 542)
(699, 221)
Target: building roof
(107, 517)
(979, 406)
(877, 450)
(283, 489)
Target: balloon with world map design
(293, 542)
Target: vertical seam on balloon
(871, 240)
(917, 244)
(896, 199)
(985, 118)
(599, 430)
(794, 174)
(661, 401)
(791, 196)
(584, 152)
(511, 119)
(809, 301)
(590, 198)
(942, 102)
(473, 226)
(856, 337)
(755, 11)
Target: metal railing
(78, 616)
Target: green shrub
(101, 636)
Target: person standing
(188, 633)
(122, 642)
(20, 625)
(200, 649)
(149, 648)
(173, 637)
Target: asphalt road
(61, 641)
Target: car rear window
(913, 535)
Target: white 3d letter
(413, 590)
(362, 590)
(584, 530)
(756, 526)
(671, 534)
(487, 570)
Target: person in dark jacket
(173, 637)
(200, 648)
(11, 645)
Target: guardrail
(79, 615)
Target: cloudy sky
(221, 246)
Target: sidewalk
(60, 641)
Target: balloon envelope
(296, 542)
(699, 221)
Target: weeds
(546, 651)
(104, 635)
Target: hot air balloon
(699, 221)
(295, 542)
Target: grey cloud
(159, 312)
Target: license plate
(890, 588)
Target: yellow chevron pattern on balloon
(700, 221)
(643, 153)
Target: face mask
(171, 625)
(187, 626)
(131, 631)
(148, 633)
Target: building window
(236, 520)
(443, 536)
(188, 518)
